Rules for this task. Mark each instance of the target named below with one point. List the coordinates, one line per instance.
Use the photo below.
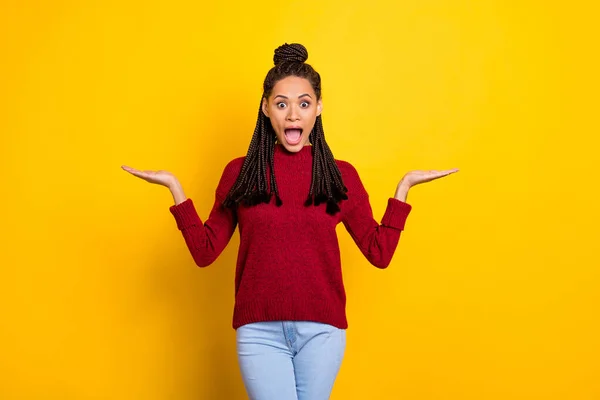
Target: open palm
(164, 178)
(416, 177)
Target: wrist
(174, 185)
(402, 191)
(177, 193)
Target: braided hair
(251, 187)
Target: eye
(305, 104)
(281, 105)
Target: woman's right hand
(164, 178)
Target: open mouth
(293, 136)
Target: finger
(139, 174)
(129, 169)
(437, 174)
(443, 172)
(450, 171)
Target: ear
(319, 107)
(265, 110)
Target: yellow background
(493, 291)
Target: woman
(287, 195)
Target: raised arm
(207, 240)
(378, 241)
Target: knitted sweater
(288, 265)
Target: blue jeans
(289, 360)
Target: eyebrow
(285, 97)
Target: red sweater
(288, 265)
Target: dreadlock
(251, 187)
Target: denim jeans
(289, 360)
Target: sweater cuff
(185, 214)
(396, 213)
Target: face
(292, 108)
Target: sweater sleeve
(206, 240)
(376, 241)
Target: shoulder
(229, 176)
(348, 171)
(234, 166)
(352, 181)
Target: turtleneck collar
(304, 153)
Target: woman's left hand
(416, 177)
(413, 178)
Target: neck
(304, 152)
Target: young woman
(287, 195)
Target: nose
(293, 114)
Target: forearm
(377, 241)
(205, 240)
(177, 193)
(402, 191)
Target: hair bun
(294, 52)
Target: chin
(293, 149)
